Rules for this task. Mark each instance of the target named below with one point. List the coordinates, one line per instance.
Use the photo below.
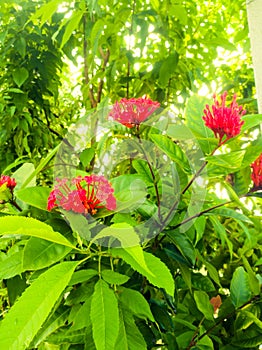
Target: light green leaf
(25, 318)
(121, 231)
(96, 33)
(157, 272)
(135, 303)
(239, 287)
(20, 75)
(19, 225)
(78, 223)
(45, 12)
(252, 317)
(35, 196)
(71, 26)
(21, 174)
(232, 160)
(104, 316)
(130, 191)
(250, 121)
(39, 253)
(113, 277)
(193, 115)
(203, 304)
(29, 180)
(11, 265)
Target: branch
(194, 341)
(105, 57)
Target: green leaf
(21, 174)
(78, 223)
(193, 115)
(46, 11)
(82, 317)
(32, 308)
(86, 156)
(20, 75)
(82, 276)
(19, 225)
(253, 151)
(227, 212)
(135, 303)
(29, 180)
(39, 253)
(172, 150)
(142, 168)
(129, 337)
(157, 272)
(253, 280)
(239, 287)
(104, 316)
(11, 265)
(213, 273)
(56, 321)
(221, 233)
(35, 196)
(180, 12)
(183, 244)
(96, 33)
(168, 68)
(250, 121)
(130, 191)
(63, 336)
(204, 344)
(252, 317)
(121, 231)
(71, 26)
(204, 305)
(223, 164)
(113, 277)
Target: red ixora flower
(256, 174)
(89, 194)
(9, 181)
(134, 111)
(222, 120)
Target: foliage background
(61, 60)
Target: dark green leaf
(135, 303)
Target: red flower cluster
(9, 181)
(224, 120)
(134, 111)
(90, 193)
(256, 174)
